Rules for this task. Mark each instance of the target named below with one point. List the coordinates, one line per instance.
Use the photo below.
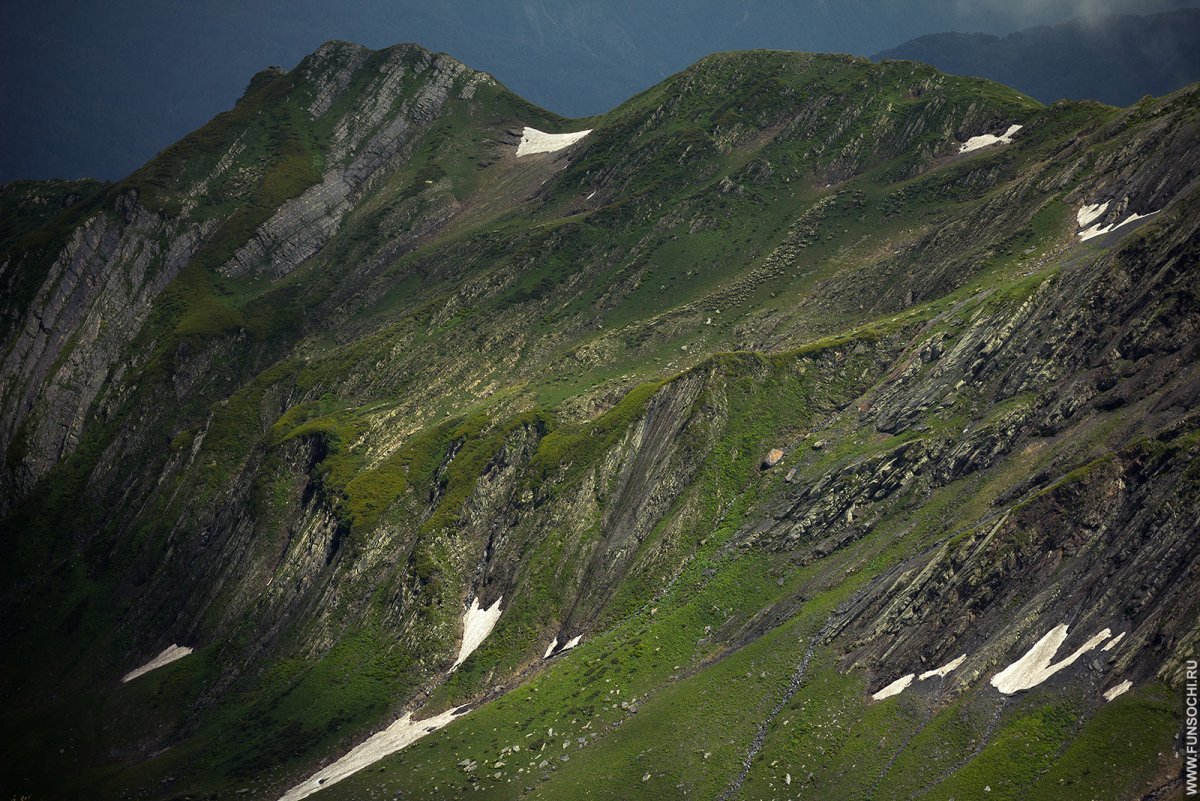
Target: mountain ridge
(95, 93)
(1114, 59)
(381, 369)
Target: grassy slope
(693, 723)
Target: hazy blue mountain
(1115, 59)
(97, 89)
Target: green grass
(475, 388)
(1019, 751)
(1118, 749)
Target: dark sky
(96, 88)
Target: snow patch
(402, 733)
(1111, 644)
(477, 625)
(901, 684)
(1035, 666)
(535, 141)
(1099, 230)
(168, 656)
(944, 669)
(987, 140)
(1120, 689)
(895, 688)
(1088, 214)
(555, 650)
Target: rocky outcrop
(94, 301)
(328, 72)
(408, 91)
(1091, 539)
(1154, 163)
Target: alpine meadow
(802, 428)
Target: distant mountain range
(95, 89)
(1115, 59)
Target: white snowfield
(402, 733)
(1111, 644)
(987, 140)
(901, 684)
(477, 625)
(168, 656)
(554, 650)
(1099, 230)
(1120, 689)
(895, 688)
(535, 141)
(1089, 213)
(1035, 666)
(944, 669)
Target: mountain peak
(738, 435)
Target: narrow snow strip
(555, 650)
(535, 141)
(1099, 230)
(1035, 666)
(1087, 214)
(402, 733)
(1111, 644)
(944, 669)
(987, 140)
(168, 656)
(477, 625)
(1120, 689)
(895, 688)
(901, 684)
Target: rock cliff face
(762, 397)
(374, 132)
(94, 300)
